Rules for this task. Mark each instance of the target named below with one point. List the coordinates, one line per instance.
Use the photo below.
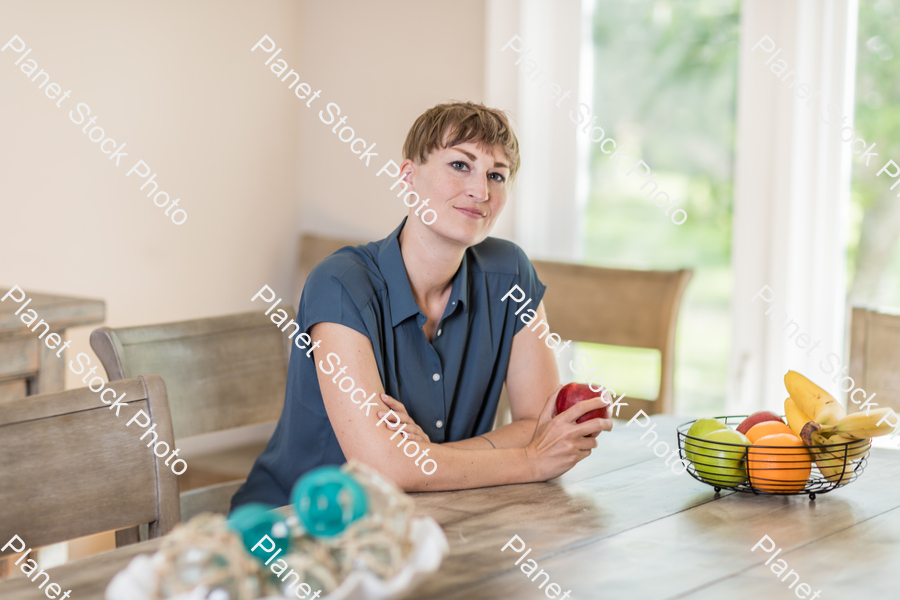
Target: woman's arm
(557, 444)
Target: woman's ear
(407, 167)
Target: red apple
(573, 393)
(757, 417)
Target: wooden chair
(875, 356)
(69, 467)
(221, 373)
(619, 307)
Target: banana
(832, 468)
(860, 426)
(832, 462)
(836, 462)
(833, 438)
(855, 448)
(796, 418)
(813, 400)
(831, 413)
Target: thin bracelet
(488, 441)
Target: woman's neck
(430, 266)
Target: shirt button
(439, 424)
(439, 331)
(436, 377)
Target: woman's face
(466, 185)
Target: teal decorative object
(327, 501)
(253, 522)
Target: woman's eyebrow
(472, 157)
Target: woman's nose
(478, 189)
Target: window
(873, 253)
(665, 85)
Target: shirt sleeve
(528, 281)
(327, 295)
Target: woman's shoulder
(495, 255)
(352, 268)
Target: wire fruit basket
(775, 470)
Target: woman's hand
(414, 431)
(559, 442)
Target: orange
(767, 428)
(778, 463)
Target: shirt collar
(403, 303)
(459, 294)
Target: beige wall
(383, 67)
(252, 165)
(177, 83)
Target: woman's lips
(471, 213)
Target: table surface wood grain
(61, 312)
(622, 525)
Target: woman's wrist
(517, 434)
(529, 465)
(473, 443)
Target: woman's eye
(500, 178)
(462, 166)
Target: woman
(411, 334)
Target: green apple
(718, 464)
(699, 429)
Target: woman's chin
(464, 236)
(470, 236)
(462, 230)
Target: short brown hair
(447, 125)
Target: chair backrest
(875, 356)
(69, 467)
(221, 372)
(619, 307)
(313, 250)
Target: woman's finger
(393, 404)
(594, 426)
(576, 411)
(413, 434)
(403, 418)
(549, 410)
(586, 443)
(411, 428)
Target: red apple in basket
(758, 417)
(573, 393)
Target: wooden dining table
(28, 365)
(622, 525)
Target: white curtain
(792, 176)
(543, 215)
(792, 184)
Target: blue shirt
(450, 386)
